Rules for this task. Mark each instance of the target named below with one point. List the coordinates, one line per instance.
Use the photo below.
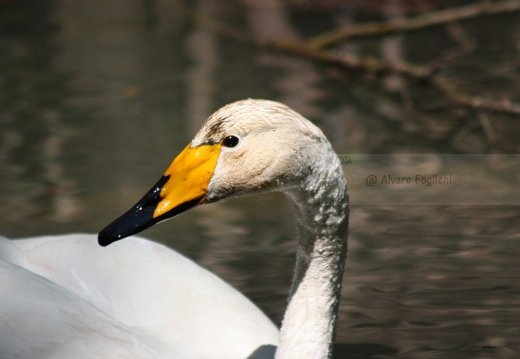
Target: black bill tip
(136, 219)
(141, 215)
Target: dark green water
(96, 98)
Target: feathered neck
(321, 207)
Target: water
(96, 98)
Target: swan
(137, 298)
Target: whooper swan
(62, 297)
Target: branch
(474, 102)
(347, 61)
(416, 72)
(373, 64)
(434, 18)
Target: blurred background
(97, 97)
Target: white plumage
(66, 297)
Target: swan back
(151, 294)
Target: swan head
(245, 148)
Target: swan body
(88, 300)
(130, 294)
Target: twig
(474, 102)
(434, 18)
(416, 72)
(488, 128)
(350, 62)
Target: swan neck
(321, 207)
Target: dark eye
(230, 141)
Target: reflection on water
(98, 97)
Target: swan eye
(230, 141)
